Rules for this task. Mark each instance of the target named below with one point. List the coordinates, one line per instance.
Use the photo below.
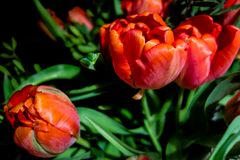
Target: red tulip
(141, 6)
(142, 50)
(211, 50)
(231, 16)
(78, 15)
(45, 120)
(232, 108)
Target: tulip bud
(232, 108)
(46, 122)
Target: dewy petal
(159, 66)
(53, 140)
(25, 138)
(119, 61)
(228, 46)
(58, 111)
(197, 66)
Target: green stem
(146, 109)
(178, 107)
(153, 136)
(149, 127)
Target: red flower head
(46, 122)
(232, 108)
(142, 50)
(141, 6)
(211, 50)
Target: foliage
(168, 123)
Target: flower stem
(149, 123)
(178, 107)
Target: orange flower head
(211, 49)
(143, 51)
(46, 123)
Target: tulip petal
(157, 67)
(203, 23)
(57, 110)
(25, 138)
(133, 43)
(197, 66)
(119, 61)
(52, 139)
(229, 43)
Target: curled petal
(197, 66)
(119, 61)
(204, 24)
(229, 43)
(25, 138)
(52, 139)
(65, 119)
(157, 67)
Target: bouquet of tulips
(123, 79)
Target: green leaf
(18, 65)
(4, 70)
(7, 87)
(60, 71)
(48, 20)
(117, 7)
(103, 120)
(120, 145)
(7, 46)
(229, 139)
(14, 43)
(224, 88)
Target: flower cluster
(148, 54)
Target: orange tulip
(141, 6)
(45, 120)
(142, 50)
(232, 108)
(211, 50)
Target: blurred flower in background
(141, 6)
(46, 122)
(231, 16)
